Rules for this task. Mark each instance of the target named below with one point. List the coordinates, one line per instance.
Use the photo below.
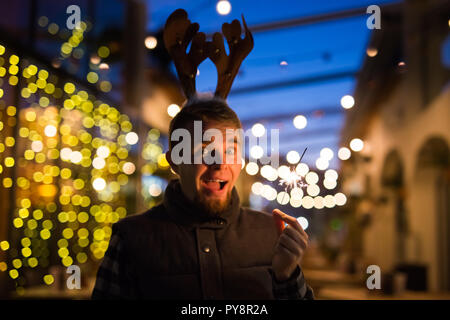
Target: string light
(356, 144)
(223, 7)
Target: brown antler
(178, 32)
(228, 65)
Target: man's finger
(279, 223)
(290, 221)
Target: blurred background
(84, 115)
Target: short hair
(206, 110)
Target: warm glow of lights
(340, 198)
(269, 193)
(356, 145)
(258, 130)
(303, 222)
(151, 42)
(154, 190)
(76, 157)
(173, 109)
(103, 151)
(257, 188)
(223, 7)
(295, 203)
(131, 138)
(313, 190)
(326, 153)
(103, 66)
(269, 173)
(371, 52)
(50, 130)
(129, 167)
(297, 193)
(99, 184)
(251, 168)
(95, 59)
(318, 202)
(311, 177)
(48, 279)
(347, 102)
(329, 184)
(47, 190)
(293, 157)
(283, 63)
(307, 202)
(283, 198)
(65, 153)
(284, 172)
(256, 152)
(98, 163)
(331, 174)
(300, 122)
(329, 201)
(302, 169)
(37, 146)
(344, 153)
(322, 164)
(4, 245)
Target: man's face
(210, 185)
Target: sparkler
(293, 180)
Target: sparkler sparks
(293, 180)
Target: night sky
(311, 50)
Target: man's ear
(169, 159)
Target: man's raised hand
(291, 245)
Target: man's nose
(219, 159)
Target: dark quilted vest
(177, 252)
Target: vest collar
(183, 211)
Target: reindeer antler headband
(179, 32)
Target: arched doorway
(433, 172)
(392, 181)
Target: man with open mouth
(200, 243)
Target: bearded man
(199, 243)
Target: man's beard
(212, 207)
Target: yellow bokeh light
(13, 59)
(45, 234)
(10, 141)
(67, 261)
(7, 182)
(11, 111)
(162, 161)
(69, 88)
(13, 273)
(18, 223)
(23, 213)
(67, 233)
(92, 77)
(43, 74)
(48, 279)
(33, 262)
(4, 245)
(3, 266)
(103, 52)
(26, 252)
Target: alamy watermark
(374, 20)
(74, 19)
(374, 280)
(74, 280)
